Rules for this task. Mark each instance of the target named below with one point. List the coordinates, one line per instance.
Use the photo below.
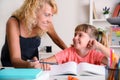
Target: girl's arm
(50, 59)
(103, 49)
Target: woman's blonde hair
(27, 12)
(93, 32)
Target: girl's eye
(75, 34)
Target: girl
(89, 45)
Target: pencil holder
(113, 74)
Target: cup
(48, 49)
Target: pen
(51, 63)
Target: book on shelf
(94, 11)
(116, 11)
(114, 36)
(72, 68)
(20, 73)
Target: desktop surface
(65, 77)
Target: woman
(23, 31)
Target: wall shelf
(115, 46)
(95, 10)
(97, 19)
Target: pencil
(111, 58)
(51, 63)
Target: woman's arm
(12, 32)
(56, 39)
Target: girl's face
(44, 16)
(80, 40)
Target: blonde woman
(24, 30)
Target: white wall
(6, 9)
(71, 13)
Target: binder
(20, 73)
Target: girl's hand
(93, 44)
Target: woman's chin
(44, 28)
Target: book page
(64, 69)
(90, 69)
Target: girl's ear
(88, 44)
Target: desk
(46, 76)
(65, 77)
(80, 77)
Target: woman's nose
(50, 19)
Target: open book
(73, 68)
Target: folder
(20, 73)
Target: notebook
(72, 68)
(20, 73)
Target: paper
(82, 68)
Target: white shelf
(115, 46)
(98, 6)
(99, 20)
(45, 55)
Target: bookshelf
(97, 10)
(97, 19)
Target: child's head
(92, 32)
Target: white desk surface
(80, 77)
(65, 77)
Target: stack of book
(22, 74)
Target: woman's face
(80, 40)
(44, 16)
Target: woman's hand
(35, 63)
(43, 65)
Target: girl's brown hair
(93, 32)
